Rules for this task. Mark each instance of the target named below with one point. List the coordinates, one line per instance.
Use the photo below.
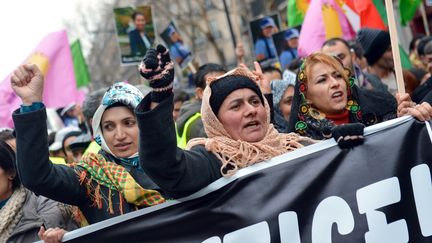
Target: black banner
(378, 192)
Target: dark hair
(270, 69)
(7, 162)
(333, 41)
(414, 40)
(357, 48)
(410, 81)
(199, 77)
(68, 135)
(6, 134)
(422, 44)
(295, 64)
(51, 137)
(180, 95)
(135, 14)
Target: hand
(348, 135)
(27, 82)
(422, 112)
(264, 83)
(239, 52)
(158, 69)
(51, 235)
(78, 113)
(404, 104)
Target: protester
(272, 73)
(359, 58)
(421, 51)
(79, 145)
(378, 52)
(102, 185)
(138, 39)
(90, 105)
(57, 150)
(424, 88)
(22, 213)
(236, 118)
(6, 135)
(179, 98)
(413, 55)
(189, 123)
(283, 92)
(264, 46)
(289, 52)
(325, 97)
(340, 48)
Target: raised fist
(157, 67)
(27, 82)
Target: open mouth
(252, 124)
(122, 146)
(337, 94)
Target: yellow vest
(58, 160)
(92, 148)
(182, 140)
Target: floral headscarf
(118, 93)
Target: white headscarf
(118, 93)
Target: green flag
(405, 61)
(408, 9)
(296, 10)
(82, 75)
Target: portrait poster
(180, 51)
(261, 31)
(135, 32)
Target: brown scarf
(237, 154)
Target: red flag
(369, 15)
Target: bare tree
(95, 27)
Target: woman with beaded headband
(236, 118)
(326, 96)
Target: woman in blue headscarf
(102, 185)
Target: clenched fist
(27, 82)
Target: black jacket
(178, 172)
(60, 182)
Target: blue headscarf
(118, 93)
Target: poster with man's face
(135, 32)
(286, 43)
(261, 31)
(179, 51)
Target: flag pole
(425, 20)
(395, 46)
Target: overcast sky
(24, 23)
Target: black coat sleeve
(178, 172)
(37, 173)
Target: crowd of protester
(128, 147)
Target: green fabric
(405, 61)
(82, 75)
(294, 15)
(117, 178)
(408, 9)
(379, 5)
